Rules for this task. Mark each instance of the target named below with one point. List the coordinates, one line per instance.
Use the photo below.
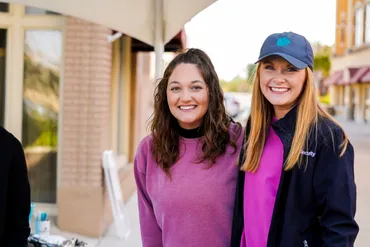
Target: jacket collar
(285, 128)
(287, 123)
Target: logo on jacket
(305, 244)
(310, 153)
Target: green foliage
(39, 130)
(238, 83)
(251, 72)
(40, 108)
(47, 138)
(251, 69)
(322, 63)
(322, 59)
(40, 78)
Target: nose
(279, 77)
(185, 95)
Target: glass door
(42, 64)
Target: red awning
(358, 74)
(366, 76)
(334, 78)
(347, 75)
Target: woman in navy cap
(296, 182)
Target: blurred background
(77, 78)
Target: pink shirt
(260, 190)
(195, 207)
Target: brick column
(85, 127)
(145, 86)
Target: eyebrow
(270, 62)
(266, 61)
(193, 82)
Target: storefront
(69, 94)
(31, 44)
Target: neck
(191, 133)
(280, 112)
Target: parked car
(232, 106)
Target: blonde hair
(308, 113)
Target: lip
(282, 90)
(187, 108)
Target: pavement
(359, 135)
(110, 239)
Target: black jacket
(315, 206)
(14, 192)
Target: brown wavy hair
(164, 126)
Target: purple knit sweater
(195, 208)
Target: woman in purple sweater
(186, 169)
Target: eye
(292, 69)
(269, 67)
(175, 89)
(196, 88)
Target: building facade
(68, 94)
(349, 82)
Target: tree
(250, 70)
(322, 58)
(237, 84)
(322, 64)
(240, 83)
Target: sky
(231, 32)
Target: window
(37, 11)
(4, 7)
(359, 28)
(367, 23)
(42, 59)
(31, 77)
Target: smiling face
(187, 95)
(281, 83)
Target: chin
(277, 102)
(189, 124)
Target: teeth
(187, 107)
(279, 89)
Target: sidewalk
(134, 240)
(359, 135)
(109, 239)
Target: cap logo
(283, 41)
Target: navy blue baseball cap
(291, 46)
